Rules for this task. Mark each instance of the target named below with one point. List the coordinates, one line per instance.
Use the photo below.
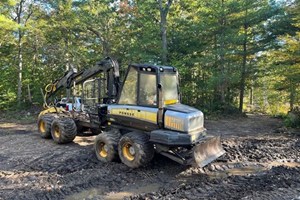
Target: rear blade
(208, 151)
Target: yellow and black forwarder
(135, 120)
(148, 117)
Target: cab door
(137, 105)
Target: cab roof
(154, 67)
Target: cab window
(147, 89)
(170, 88)
(129, 91)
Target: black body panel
(133, 123)
(173, 138)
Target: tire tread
(67, 128)
(48, 119)
(145, 149)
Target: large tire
(135, 149)
(106, 146)
(44, 125)
(63, 130)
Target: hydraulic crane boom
(72, 77)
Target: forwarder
(148, 117)
(143, 117)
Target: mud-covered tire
(63, 130)
(106, 146)
(135, 149)
(44, 125)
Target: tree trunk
(292, 96)
(105, 45)
(20, 56)
(243, 75)
(163, 29)
(251, 96)
(20, 69)
(222, 85)
(265, 94)
(29, 94)
(243, 70)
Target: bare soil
(262, 161)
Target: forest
(232, 56)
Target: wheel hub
(42, 127)
(56, 132)
(131, 150)
(128, 151)
(103, 150)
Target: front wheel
(63, 130)
(135, 149)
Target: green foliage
(7, 100)
(293, 118)
(221, 48)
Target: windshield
(170, 89)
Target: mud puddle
(242, 171)
(250, 169)
(286, 164)
(154, 187)
(100, 193)
(87, 194)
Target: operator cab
(146, 91)
(142, 82)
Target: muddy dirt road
(262, 162)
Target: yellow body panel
(171, 101)
(132, 113)
(52, 110)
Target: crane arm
(72, 77)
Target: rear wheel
(135, 149)
(44, 125)
(106, 146)
(63, 130)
